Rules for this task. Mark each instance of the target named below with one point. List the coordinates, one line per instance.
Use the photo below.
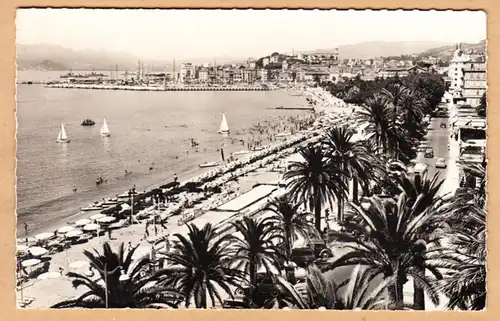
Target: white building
(455, 72)
(187, 72)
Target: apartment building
(474, 83)
(187, 72)
(203, 75)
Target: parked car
(429, 153)
(423, 147)
(419, 168)
(440, 163)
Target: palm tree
(464, 257)
(112, 290)
(360, 291)
(353, 158)
(201, 266)
(423, 192)
(394, 93)
(379, 114)
(314, 181)
(387, 240)
(465, 262)
(412, 105)
(257, 246)
(292, 222)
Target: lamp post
(26, 232)
(122, 278)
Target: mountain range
(373, 49)
(54, 57)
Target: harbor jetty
(295, 108)
(159, 88)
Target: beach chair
(25, 301)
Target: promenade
(48, 292)
(157, 88)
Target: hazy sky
(165, 34)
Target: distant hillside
(64, 58)
(44, 65)
(29, 56)
(373, 49)
(446, 52)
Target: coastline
(248, 172)
(61, 210)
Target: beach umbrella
(37, 251)
(79, 264)
(97, 216)
(44, 236)
(74, 233)
(65, 229)
(83, 222)
(49, 275)
(30, 262)
(115, 225)
(107, 219)
(91, 227)
(31, 240)
(21, 248)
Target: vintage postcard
(251, 159)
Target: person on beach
(109, 233)
(175, 177)
(74, 188)
(146, 230)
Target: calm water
(149, 129)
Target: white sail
(224, 127)
(62, 137)
(104, 129)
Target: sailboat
(224, 128)
(104, 129)
(62, 137)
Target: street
(437, 139)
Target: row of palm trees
(414, 232)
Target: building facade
(455, 72)
(203, 75)
(474, 83)
(187, 72)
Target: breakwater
(151, 88)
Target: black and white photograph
(251, 159)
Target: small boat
(92, 207)
(258, 149)
(241, 152)
(62, 137)
(110, 201)
(224, 127)
(283, 134)
(88, 122)
(126, 194)
(104, 129)
(210, 164)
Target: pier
(295, 108)
(150, 88)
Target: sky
(166, 34)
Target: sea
(151, 135)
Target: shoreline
(158, 88)
(66, 208)
(249, 169)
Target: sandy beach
(239, 197)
